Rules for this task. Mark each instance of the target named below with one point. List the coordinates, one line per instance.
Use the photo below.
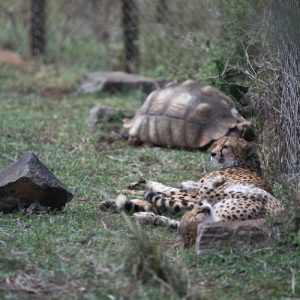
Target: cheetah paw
(139, 185)
(217, 181)
(190, 186)
(145, 217)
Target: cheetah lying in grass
(236, 191)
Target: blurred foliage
(237, 44)
(198, 39)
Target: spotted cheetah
(236, 191)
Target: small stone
(213, 237)
(117, 82)
(28, 181)
(99, 113)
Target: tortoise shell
(186, 115)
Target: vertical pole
(130, 22)
(37, 27)
(161, 11)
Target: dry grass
(33, 284)
(275, 96)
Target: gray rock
(213, 237)
(117, 81)
(99, 113)
(28, 181)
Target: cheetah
(236, 191)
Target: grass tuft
(146, 261)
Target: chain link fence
(171, 37)
(274, 76)
(285, 20)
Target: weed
(146, 260)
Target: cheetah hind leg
(209, 186)
(154, 219)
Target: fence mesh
(275, 77)
(173, 36)
(286, 20)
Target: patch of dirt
(46, 135)
(32, 283)
(107, 138)
(148, 160)
(51, 92)
(10, 57)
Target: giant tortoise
(186, 115)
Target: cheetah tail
(165, 204)
(121, 201)
(133, 205)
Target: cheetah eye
(225, 146)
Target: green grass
(85, 253)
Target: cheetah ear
(251, 149)
(212, 146)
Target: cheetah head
(232, 152)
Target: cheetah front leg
(154, 219)
(208, 189)
(138, 188)
(190, 186)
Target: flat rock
(28, 181)
(116, 82)
(213, 237)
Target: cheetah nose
(213, 154)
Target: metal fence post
(130, 22)
(37, 27)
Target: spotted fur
(236, 191)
